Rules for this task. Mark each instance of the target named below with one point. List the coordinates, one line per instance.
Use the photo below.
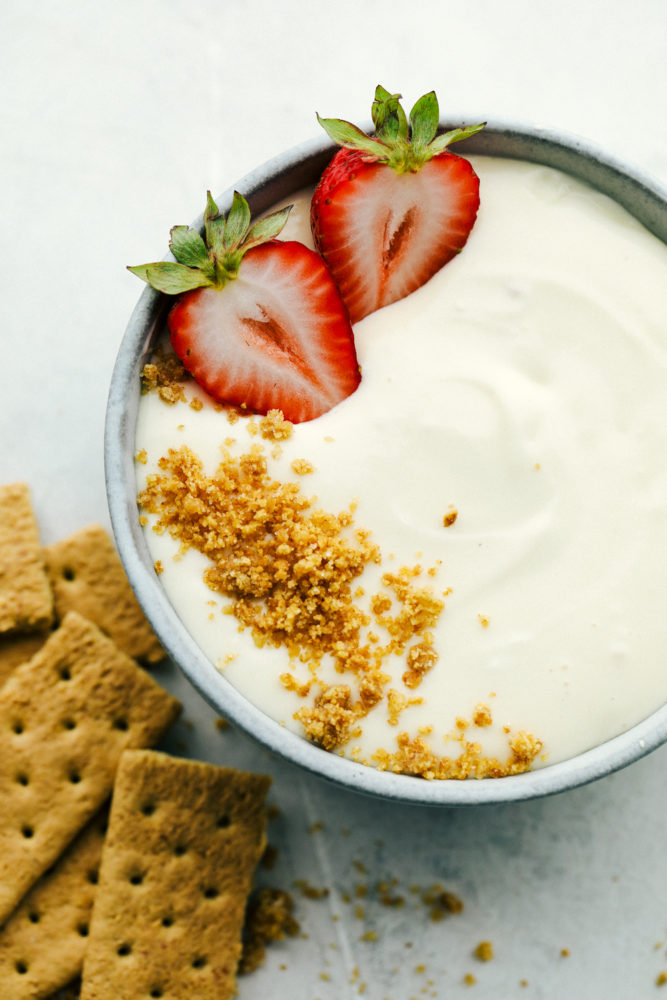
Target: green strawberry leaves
(349, 135)
(424, 120)
(170, 278)
(188, 247)
(403, 144)
(388, 116)
(216, 259)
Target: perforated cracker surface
(26, 601)
(87, 576)
(183, 842)
(65, 718)
(43, 943)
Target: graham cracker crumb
(397, 703)
(290, 571)
(421, 658)
(484, 951)
(302, 466)
(329, 720)
(482, 716)
(450, 517)
(274, 427)
(415, 756)
(309, 891)
(165, 375)
(269, 918)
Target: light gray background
(115, 120)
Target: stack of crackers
(144, 898)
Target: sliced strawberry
(275, 338)
(391, 210)
(259, 322)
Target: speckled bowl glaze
(275, 180)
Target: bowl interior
(268, 184)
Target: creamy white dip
(525, 386)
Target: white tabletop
(116, 118)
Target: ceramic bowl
(276, 180)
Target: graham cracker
(65, 717)
(43, 943)
(26, 601)
(183, 842)
(17, 647)
(87, 576)
(70, 992)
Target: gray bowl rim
(286, 173)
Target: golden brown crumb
(450, 517)
(309, 891)
(196, 403)
(268, 918)
(329, 720)
(565, 952)
(221, 724)
(482, 716)
(159, 568)
(141, 456)
(369, 936)
(302, 466)
(290, 572)
(662, 979)
(450, 902)
(469, 979)
(165, 375)
(484, 951)
(420, 658)
(415, 756)
(483, 621)
(392, 900)
(274, 427)
(290, 682)
(397, 703)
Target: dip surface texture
(509, 439)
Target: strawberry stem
(216, 259)
(404, 145)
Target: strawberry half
(392, 209)
(258, 322)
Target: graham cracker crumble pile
(291, 572)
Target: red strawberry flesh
(276, 337)
(383, 233)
